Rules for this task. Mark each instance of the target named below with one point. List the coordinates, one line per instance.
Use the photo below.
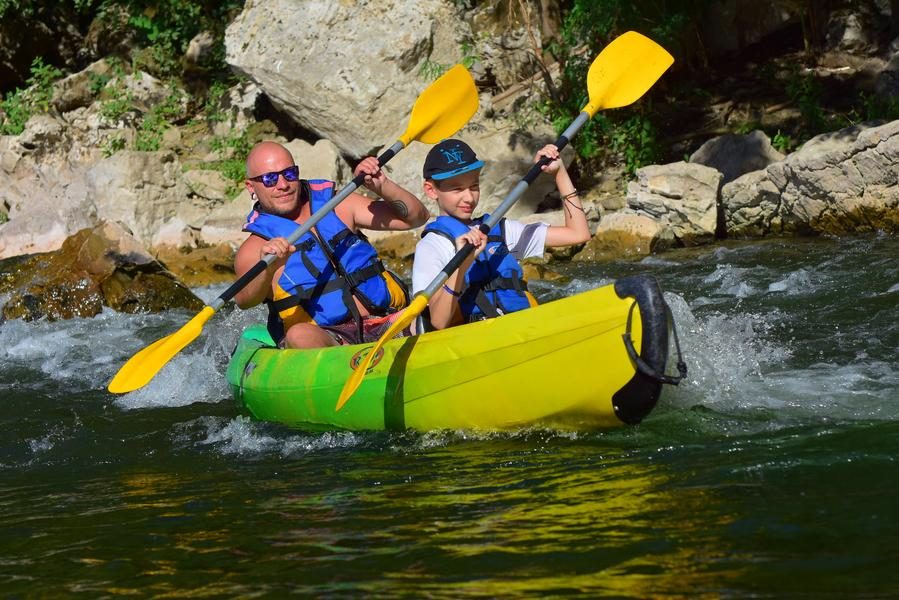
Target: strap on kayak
(642, 366)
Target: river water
(771, 472)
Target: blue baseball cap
(450, 158)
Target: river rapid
(770, 472)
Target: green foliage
(627, 135)
(879, 107)
(155, 122)
(783, 143)
(232, 151)
(113, 145)
(20, 104)
(746, 127)
(212, 107)
(470, 54)
(805, 91)
(430, 70)
(635, 140)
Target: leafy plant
(113, 145)
(212, 108)
(20, 104)
(805, 91)
(782, 143)
(232, 151)
(155, 122)
(431, 70)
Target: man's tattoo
(399, 208)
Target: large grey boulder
(348, 71)
(842, 182)
(736, 155)
(682, 196)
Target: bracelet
(451, 291)
(571, 195)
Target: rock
(77, 90)
(626, 234)
(844, 182)
(198, 267)
(396, 249)
(102, 266)
(682, 196)
(736, 155)
(208, 184)
(320, 161)
(142, 190)
(352, 79)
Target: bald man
(329, 287)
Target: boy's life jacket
(331, 264)
(495, 281)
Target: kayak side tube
(638, 397)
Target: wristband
(451, 291)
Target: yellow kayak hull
(564, 364)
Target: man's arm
(250, 253)
(399, 210)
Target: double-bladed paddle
(620, 75)
(440, 111)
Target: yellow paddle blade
(144, 365)
(624, 71)
(443, 108)
(419, 303)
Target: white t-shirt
(434, 251)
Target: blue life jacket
(495, 281)
(331, 264)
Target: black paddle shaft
(509, 200)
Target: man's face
(282, 198)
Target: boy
(489, 283)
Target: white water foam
(244, 437)
(726, 354)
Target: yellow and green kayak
(591, 361)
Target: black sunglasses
(270, 179)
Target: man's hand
(277, 246)
(374, 175)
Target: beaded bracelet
(451, 291)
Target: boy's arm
(431, 255)
(575, 230)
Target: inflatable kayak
(591, 361)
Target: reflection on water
(766, 473)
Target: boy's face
(457, 196)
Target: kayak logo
(357, 358)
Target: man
(329, 287)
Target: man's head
(273, 179)
(452, 174)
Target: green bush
(20, 104)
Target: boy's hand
(551, 152)
(475, 238)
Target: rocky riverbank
(95, 162)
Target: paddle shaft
(303, 229)
(505, 205)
